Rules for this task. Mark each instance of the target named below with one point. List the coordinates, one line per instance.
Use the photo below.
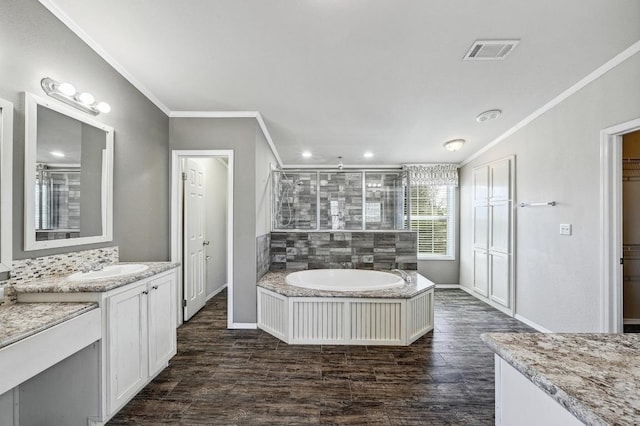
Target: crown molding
(71, 24)
(233, 114)
(594, 75)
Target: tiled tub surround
(263, 260)
(295, 315)
(596, 377)
(21, 320)
(357, 250)
(61, 284)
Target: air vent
(487, 50)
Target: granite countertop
(21, 320)
(596, 377)
(61, 284)
(274, 281)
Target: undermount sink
(110, 271)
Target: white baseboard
(631, 321)
(216, 291)
(532, 324)
(457, 286)
(243, 326)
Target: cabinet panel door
(500, 180)
(500, 226)
(162, 323)
(481, 184)
(481, 227)
(128, 356)
(480, 272)
(499, 278)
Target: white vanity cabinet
(141, 336)
(138, 321)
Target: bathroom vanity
(566, 379)
(137, 326)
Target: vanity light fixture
(67, 93)
(454, 145)
(306, 154)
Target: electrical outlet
(565, 229)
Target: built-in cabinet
(138, 335)
(493, 236)
(142, 337)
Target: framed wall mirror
(68, 182)
(6, 161)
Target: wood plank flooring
(247, 377)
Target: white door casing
(194, 238)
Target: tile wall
(352, 250)
(263, 260)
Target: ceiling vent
(487, 50)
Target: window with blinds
(431, 212)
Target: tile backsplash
(27, 270)
(350, 250)
(262, 254)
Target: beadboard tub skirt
(345, 320)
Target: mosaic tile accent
(263, 260)
(351, 250)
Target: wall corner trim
(232, 114)
(77, 30)
(594, 75)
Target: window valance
(432, 174)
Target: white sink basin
(110, 271)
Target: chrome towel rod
(546, 203)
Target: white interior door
(194, 238)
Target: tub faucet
(405, 276)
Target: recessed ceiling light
(368, 154)
(306, 154)
(57, 154)
(454, 145)
(492, 114)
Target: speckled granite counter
(61, 284)
(274, 281)
(596, 377)
(21, 320)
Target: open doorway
(201, 226)
(631, 232)
(612, 255)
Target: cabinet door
(500, 278)
(162, 322)
(481, 184)
(500, 180)
(500, 227)
(128, 358)
(480, 272)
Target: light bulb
(86, 98)
(67, 89)
(306, 154)
(103, 107)
(368, 154)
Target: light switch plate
(565, 229)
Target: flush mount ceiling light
(67, 93)
(306, 154)
(492, 114)
(454, 145)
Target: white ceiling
(338, 77)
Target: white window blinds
(432, 208)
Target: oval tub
(344, 279)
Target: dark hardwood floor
(247, 377)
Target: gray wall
(238, 134)
(34, 44)
(558, 159)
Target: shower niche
(353, 200)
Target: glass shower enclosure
(350, 200)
